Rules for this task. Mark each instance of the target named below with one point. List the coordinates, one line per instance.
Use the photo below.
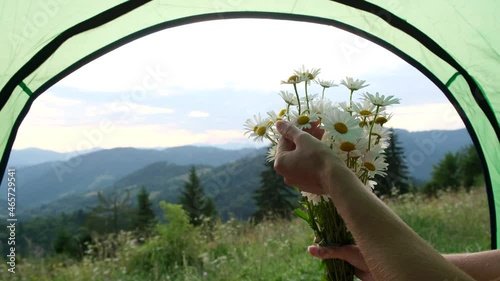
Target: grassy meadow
(273, 250)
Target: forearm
(391, 249)
(481, 266)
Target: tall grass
(235, 250)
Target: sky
(198, 83)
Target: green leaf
(303, 215)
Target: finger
(288, 130)
(348, 253)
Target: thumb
(348, 253)
(288, 130)
(342, 252)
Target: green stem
(269, 138)
(350, 102)
(307, 98)
(297, 94)
(323, 94)
(371, 127)
(288, 111)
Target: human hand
(349, 253)
(301, 158)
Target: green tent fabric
(454, 43)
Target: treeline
(455, 171)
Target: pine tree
(397, 172)
(195, 202)
(273, 197)
(446, 174)
(144, 216)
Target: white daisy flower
(289, 98)
(374, 163)
(306, 74)
(257, 128)
(325, 83)
(310, 97)
(345, 106)
(352, 84)
(304, 120)
(371, 184)
(340, 124)
(344, 148)
(321, 107)
(314, 198)
(364, 109)
(381, 100)
(383, 118)
(294, 79)
(271, 153)
(380, 135)
(275, 117)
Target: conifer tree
(144, 216)
(446, 174)
(195, 202)
(273, 197)
(397, 178)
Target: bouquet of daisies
(353, 130)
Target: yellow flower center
(293, 79)
(365, 112)
(303, 119)
(340, 127)
(347, 146)
(282, 112)
(270, 123)
(369, 166)
(381, 120)
(255, 129)
(310, 76)
(261, 131)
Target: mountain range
(229, 176)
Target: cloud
(238, 53)
(198, 114)
(109, 135)
(434, 116)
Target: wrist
(334, 175)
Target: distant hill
(33, 156)
(229, 176)
(425, 149)
(49, 181)
(231, 185)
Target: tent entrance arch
(453, 44)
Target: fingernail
(313, 250)
(279, 125)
